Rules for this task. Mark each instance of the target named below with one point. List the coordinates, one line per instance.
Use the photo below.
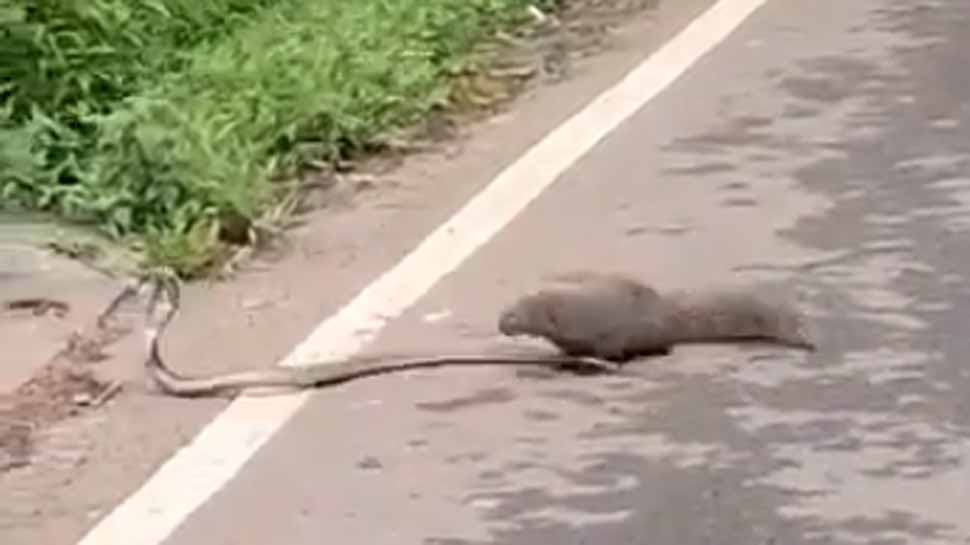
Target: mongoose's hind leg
(626, 355)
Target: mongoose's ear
(546, 309)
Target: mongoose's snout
(509, 323)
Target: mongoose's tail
(734, 316)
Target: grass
(167, 124)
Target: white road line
(200, 469)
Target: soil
(65, 387)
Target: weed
(164, 121)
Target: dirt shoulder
(74, 461)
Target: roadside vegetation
(176, 126)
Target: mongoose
(597, 321)
(617, 318)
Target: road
(823, 147)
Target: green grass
(165, 122)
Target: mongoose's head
(525, 316)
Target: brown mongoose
(617, 318)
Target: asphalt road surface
(823, 148)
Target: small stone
(253, 303)
(369, 462)
(433, 317)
